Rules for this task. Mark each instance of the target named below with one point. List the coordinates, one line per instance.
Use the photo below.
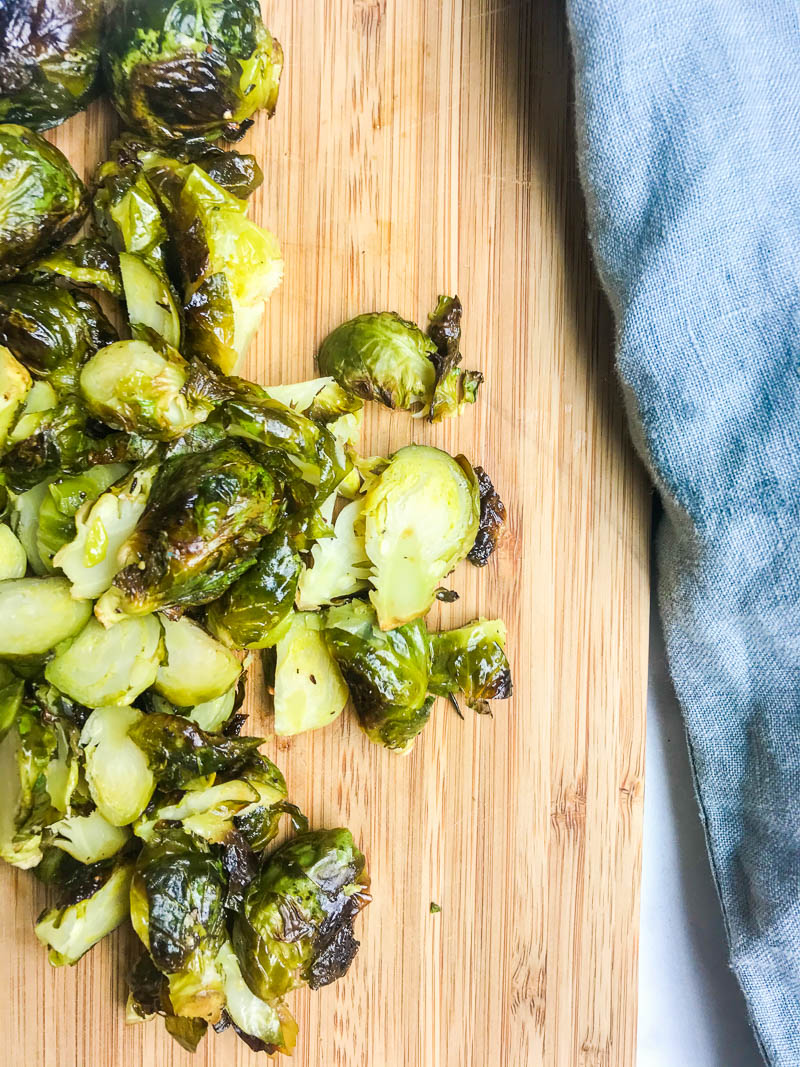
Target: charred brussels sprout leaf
(45, 443)
(265, 1026)
(133, 387)
(492, 520)
(195, 69)
(49, 59)
(386, 672)
(237, 172)
(177, 909)
(253, 612)
(297, 921)
(471, 660)
(89, 263)
(199, 531)
(229, 265)
(309, 689)
(52, 331)
(149, 995)
(454, 387)
(380, 356)
(42, 200)
(421, 518)
(178, 751)
(75, 925)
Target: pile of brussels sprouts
(162, 520)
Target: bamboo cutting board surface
(421, 147)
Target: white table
(691, 1010)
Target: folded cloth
(688, 116)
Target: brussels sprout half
(49, 60)
(15, 384)
(309, 689)
(339, 564)
(386, 672)
(36, 614)
(471, 660)
(71, 929)
(196, 668)
(191, 69)
(117, 770)
(64, 498)
(26, 750)
(87, 838)
(13, 560)
(421, 517)
(42, 200)
(269, 1023)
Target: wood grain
(422, 147)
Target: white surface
(691, 1010)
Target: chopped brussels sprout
(91, 559)
(454, 387)
(386, 672)
(178, 751)
(103, 667)
(255, 611)
(421, 518)
(71, 929)
(64, 497)
(87, 838)
(88, 263)
(309, 689)
(269, 1022)
(229, 265)
(197, 668)
(492, 520)
(117, 770)
(51, 332)
(296, 924)
(15, 384)
(13, 561)
(24, 517)
(37, 613)
(25, 809)
(199, 531)
(49, 60)
(131, 386)
(471, 660)
(177, 910)
(191, 70)
(340, 564)
(42, 200)
(380, 356)
(150, 299)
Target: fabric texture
(688, 116)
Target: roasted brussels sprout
(199, 531)
(213, 716)
(46, 443)
(88, 263)
(380, 356)
(37, 613)
(471, 660)
(87, 838)
(296, 924)
(421, 518)
(229, 265)
(492, 520)
(24, 519)
(52, 331)
(117, 769)
(309, 689)
(93, 906)
(13, 561)
(131, 386)
(15, 384)
(454, 387)
(195, 69)
(340, 566)
(266, 1026)
(196, 668)
(64, 498)
(103, 667)
(254, 612)
(49, 59)
(386, 672)
(177, 909)
(42, 200)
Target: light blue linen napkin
(688, 117)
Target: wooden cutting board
(422, 147)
